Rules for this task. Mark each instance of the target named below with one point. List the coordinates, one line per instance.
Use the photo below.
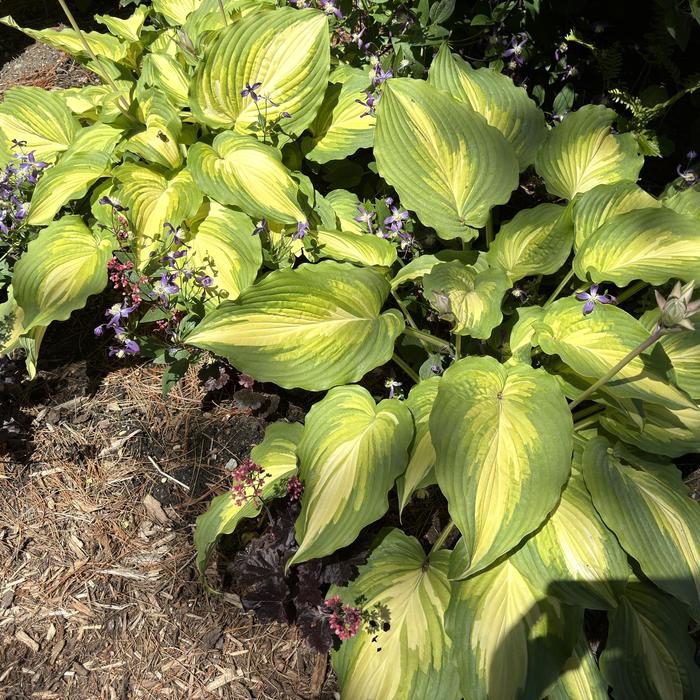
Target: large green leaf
(86, 161)
(574, 557)
(240, 171)
(350, 454)
(654, 245)
(685, 201)
(159, 70)
(287, 51)
(412, 660)
(592, 345)
(222, 246)
(505, 106)
(593, 208)
(445, 161)
(534, 242)
(503, 442)
(364, 249)
(652, 515)
(581, 153)
(38, 118)
(649, 653)
(342, 125)
(153, 199)
(511, 641)
(277, 454)
(175, 12)
(420, 471)
(344, 204)
(128, 29)
(61, 268)
(313, 327)
(470, 299)
(523, 332)
(158, 143)
(580, 678)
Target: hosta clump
(298, 191)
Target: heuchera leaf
(351, 453)
(413, 659)
(503, 442)
(313, 327)
(445, 161)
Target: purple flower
(302, 230)
(381, 76)
(176, 233)
(249, 91)
(261, 227)
(329, 7)
(691, 155)
(591, 297)
(128, 347)
(515, 49)
(356, 38)
(560, 50)
(392, 385)
(205, 281)
(370, 102)
(112, 203)
(365, 217)
(286, 115)
(689, 175)
(396, 219)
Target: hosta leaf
(40, 119)
(580, 678)
(349, 457)
(154, 199)
(652, 515)
(649, 653)
(87, 159)
(412, 660)
(287, 51)
(445, 161)
(592, 345)
(521, 337)
(420, 266)
(581, 153)
(420, 471)
(363, 248)
(654, 245)
(603, 202)
(222, 247)
(685, 201)
(277, 454)
(128, 29)
(574, 557)
(313, 327)
(158, 144)
(161, 71)
(342, 125)
(534, 242)
(175, 12)
(503, 441)
(505, 106)
(471, 300)
(511, 641)
(344, 204)
(61, 268)
(239, 170)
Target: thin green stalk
(587, 423)
(409, 318)
(458, 347)
(442, 537)
(438, 343)
(223, 12)
(489, 229)
(624, 361)
(631, 291)
(559, 288)
(406, 368)
(585, 412)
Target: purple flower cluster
(345, 620)
(248, 482)
(688, 174)
(294, 488)
(591, 297)
(393, 228)
(514, 51)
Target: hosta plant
(320, 191)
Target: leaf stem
(442, 537)
(585, 412)
(430, 339)
(489, 229)
(624, 361)
(223, 12)
(406, 368)
(458, 347)
(567, 278)
(631, 291)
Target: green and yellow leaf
(363, 249)
(580, 678)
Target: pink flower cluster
(344, 620)
(248, 482)
(294, 488)
(119, 277)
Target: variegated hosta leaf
(505, 106)
(534, 242)
(652, 515)
(128, 29)
(445, 161)
(277, 454)
(161, 71)
(413, 659)
(503, 441)
(581, 153)
(86, 161)
(239, 170)
(592, 345)
(420, 471)
(471, 300)
(158, 144)
(580, 678)
(685, 201)
(654, 245)
(351, 453)
(420, 266)
(574, 556)
(312, 327)
(40, 119)
(342, 125)
(61, 268)
(649, 653)
(593, 208)
(344, 204)
(222, 247)
(10, 323)
(154, 199)
(340, 245)
(521, 337)
(659, 430)
(511, 640)
(6, 154)
(287, 51)
(175, 12)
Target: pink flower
(345, 620)
(294, 488)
